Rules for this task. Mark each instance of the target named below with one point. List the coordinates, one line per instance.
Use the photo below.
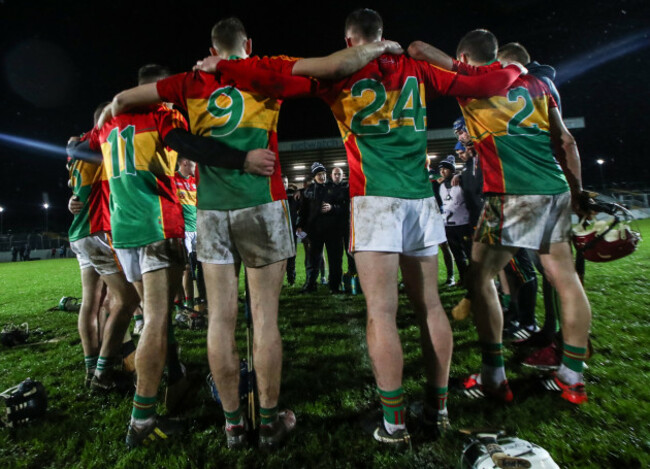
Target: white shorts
(96, 251)
(257, 236)
(525, 221)
(190, 241)
(412, 227)
(159, 255)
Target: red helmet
(606, 240)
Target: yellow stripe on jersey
(258, 112)
(494, 114)
(148, 152)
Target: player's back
(511, 132)
(242, 119)
(381, 113)
(144, 203)
(89, 184)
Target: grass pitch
(327, 381)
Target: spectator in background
(343, 188)
(319, 217)
(456, 217)
(435, 179)
(293, 215)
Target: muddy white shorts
(159, 255)
(525, 221)
(413, 227)
(257, 236)
(96, 251)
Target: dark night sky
(60, 59)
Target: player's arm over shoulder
(142, 95)
(345, 62)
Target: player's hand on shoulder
(208, 64)
(455, 181)
(506, 62)
(392, 47)
(260, 162)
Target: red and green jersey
(186, 190)
(511, 133)
(239, 117)
(89, 184)
(381, 114)
(144, 204)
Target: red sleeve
(281, 63)
(437, 80)
(169, 119)
(486, 85)
(172, 89)
(250, 74)
(551, 101)
(466, 69)
(93, 139)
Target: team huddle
(133, 232)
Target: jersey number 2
(515, 126)
(128, 135)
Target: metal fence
(32, 241)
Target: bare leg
(88, 323)
(377, 273)
(124, 301)
(487, 261)
(264, 285)
(152, 348)
(188, 285)
(221, 282)
(576, 313)
(420, 276)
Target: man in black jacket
(320, 217)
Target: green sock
(492, 354)
(442, 394)
(104, 363)
(392, 403)
(143, 407)
(268, 416)
(91, 363)
(506, 301)
(574, 357)
(138, 317)
(233, 418)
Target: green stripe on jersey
(189, 215)
(80, 227)
(529, 166)
(394, 164)
(231, 189)
(136, 215)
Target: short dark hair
(480, 45)
(227, 33)
(515, 51)
(365, 22)
(151, 73)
